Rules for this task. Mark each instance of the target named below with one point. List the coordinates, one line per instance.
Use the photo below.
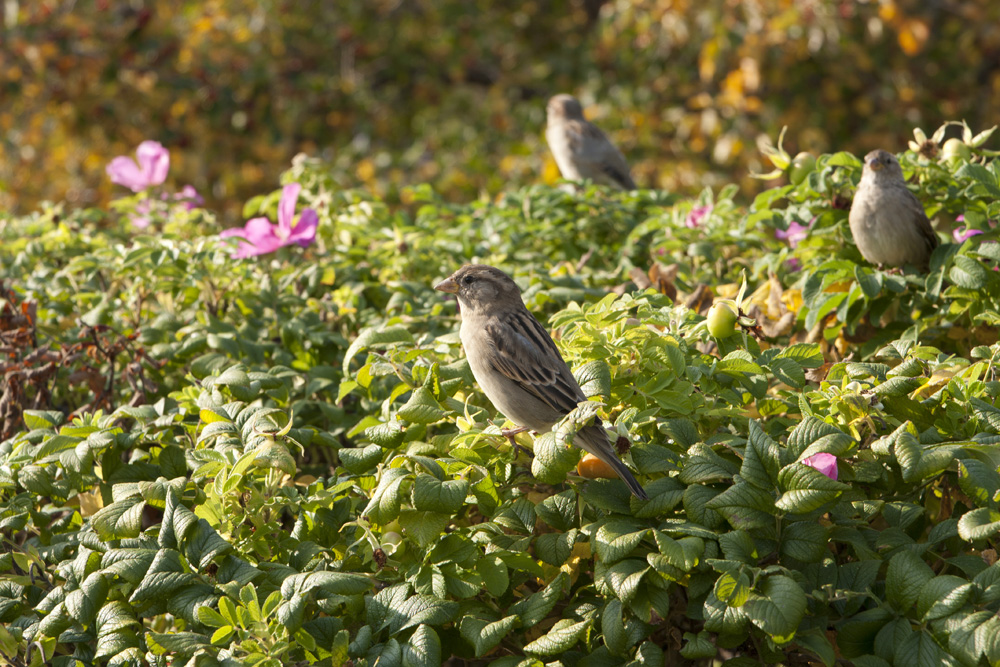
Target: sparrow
(518, 365)
(887, 221)
(581, 150)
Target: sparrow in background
(581, 150)
(516, 363)
(888, 222)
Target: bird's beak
(875, 164)
(447, 285)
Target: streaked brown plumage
(581, 150)
(888, 222)
(517, 364)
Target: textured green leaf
(387, 499)
(594, 378)
(942, 596)
(486, 636)
(533, 609)
(804, 541)
(744, 505)
(423, 648)
(562, 637)
(979, 524)
(430, 494)
(980, 482)
(778, 609)
(120, 519)
(422, 408)
(905, 578)
(616, 539)
(806, 489)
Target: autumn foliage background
(452, 92)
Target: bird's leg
(509, 433)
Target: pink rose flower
(825, 463)
(697, 216)
(151, 169)
(260, 237)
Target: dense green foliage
(285, 460)
(452, 92)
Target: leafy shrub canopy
(285, 459)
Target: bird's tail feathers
(605, 451)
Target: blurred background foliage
(394, 92)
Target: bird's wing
(922, 222)
(523, 351)
(591, 145)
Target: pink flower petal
(286, 208)
(795, 234)
(961, 236)
(793, 264)
(124, 171)
(154, 160)
(697, 216)
(823, 462)
(305, 230)
(190, 196)
(259, 238)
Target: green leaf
(594, 378)
(942, 596)
(778, 609)
(870, 281)
(616, 539)
(760, 459)
(360, 461)
(788, 371)
(804, 541)
(816, 642)
(738, 362)
(559, 511)
(274, 455)
(420, 609)
(704, 465)
(979, 524)
(424, 527)
(905, 578)
(387, 499)
(969, 274)
(380, 337)
(553, 459)
(733, 588)
(423, 649)
(431, 494)
(744, 505)
(555, 548)
(980, 482)
(388, 434)
(494, 573)
(483, 635)
(698, 646)
(120, 519)
(331, 583)
(422, 408)
(664, 494)
(562, 637)
(806, 489)
(83, 603)
(808, 355)
(533, 609)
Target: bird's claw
(509, 433)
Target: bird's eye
(468, 280)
